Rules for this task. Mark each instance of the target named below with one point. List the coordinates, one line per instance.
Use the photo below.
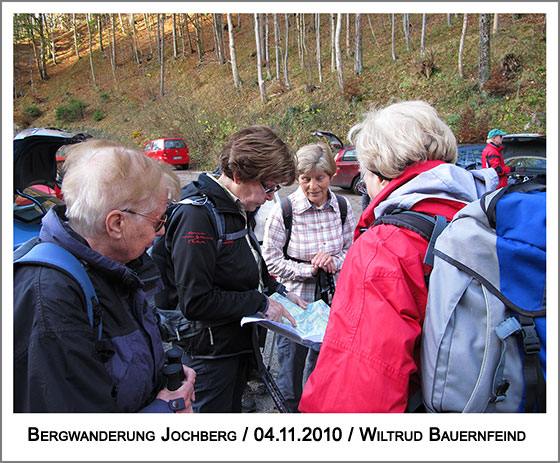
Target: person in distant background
(318, 241)
(492, 156)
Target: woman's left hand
(324, 261)
(297, 300)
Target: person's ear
(236, 179)
(114, 224)
(384, 182)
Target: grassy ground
(201, 104)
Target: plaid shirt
(314, 230)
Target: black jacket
(213, 288)
(58, 366)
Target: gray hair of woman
(395, 137)
(317, 156)
(101, 176)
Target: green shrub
(32, 111)
(71, 112)
(105, 97)
(98, 115)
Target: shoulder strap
(286, 205)
(343, 206)
(55, 256)
(425, 225)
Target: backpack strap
(343, 206)
(427, 226)
(203, 200)
(55, 256)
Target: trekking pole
(271, 386)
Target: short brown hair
(317, 156)
(257, 154)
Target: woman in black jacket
(216, 280)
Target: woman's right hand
(186, 391)
(276, 311)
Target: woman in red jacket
(369, 359)
(492, 156)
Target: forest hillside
(103, 73)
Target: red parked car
(174, 151)
(347, 166)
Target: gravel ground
(256, 390)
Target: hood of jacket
(430, 180)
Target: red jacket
(492, 157)
(370, 354)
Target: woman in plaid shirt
(318, 241)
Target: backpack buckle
(531, 343)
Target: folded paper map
(311, 322)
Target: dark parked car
(347, 166)
(36, 182)
(527, 153)
(469, 155)
(173, 151)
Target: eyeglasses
(159, 222)
(268, 190)
(361, 187)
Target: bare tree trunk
(448, 19)
(423, 40)
(496, 24)
(100, 32)
(182, 30)
(277, 49)
(266, 46)
(122, 25)
(406, 28)
(287, 42)
(75, 35)
(338, 52)
(134, 38)
(53, 47)
(161, 74)
(262, 87)
(318, 37)
(90, 51)
(185, 16)
(393, 36)
(148, 31)
(198, 32)
(175, 52)
(42, 27)
(347, 35)
(484, 50)
(232, 54)
(462, 45)
(358, 66)
(371, 28)
(333, 40)
(31, 74)
(113, 49)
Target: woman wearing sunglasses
(215, 282)
(369, 357)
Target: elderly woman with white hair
(369, 360)
(320, 238)
(116, 198)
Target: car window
(148, 145)
(350, 155)
(174, 144)
(528, 163)
(157, 145)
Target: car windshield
(528, 163)
(174, 144)
(350, 155)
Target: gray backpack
(484, 335)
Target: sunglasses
(268, 190)
(158, 222)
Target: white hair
(317, 156)
(391, 139)
(101, 176)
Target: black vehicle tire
(355, 185)
(184, 167)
